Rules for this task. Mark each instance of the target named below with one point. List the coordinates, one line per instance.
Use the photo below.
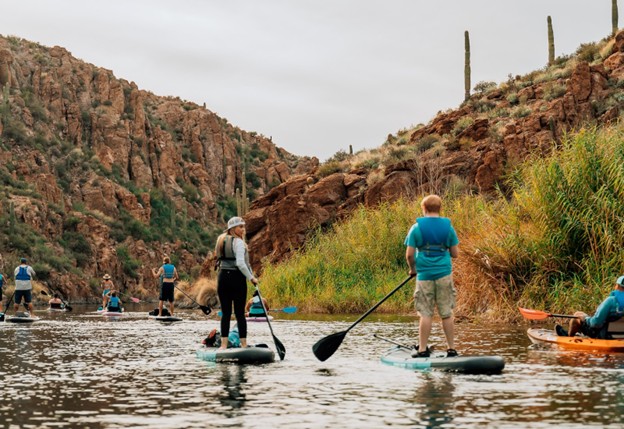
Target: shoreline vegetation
(552, 239)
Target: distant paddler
(169, 275)
(107, 287)
(55, 302)
(24, 274)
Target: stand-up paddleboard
(166, 319)
(401, 357)
(240, 355)
(55, 310)
(21, 318)
(106, 313)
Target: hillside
(471, 149)
(98, 176)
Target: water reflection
(232, 397)
(435, 400)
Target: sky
(317, 76)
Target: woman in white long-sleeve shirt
(234, 271)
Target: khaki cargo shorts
(439, 293)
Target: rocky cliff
(98, 176)
(469, 149)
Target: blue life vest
(169, 270)
(1, 281)
(22, 274)
(256, 308)
(113, 302)
(434, 232)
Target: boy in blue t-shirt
(431, 243)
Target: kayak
(240, 355)
(169, 319)
(549, 337)
(258, 318)
(21, 318)
(402, 357)
(52, 310)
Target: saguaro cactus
(614, 17)
(551, 42)
(466, 66)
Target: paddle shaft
(281, 350)
(206, 310)
(396, 343)
(363, 316)
(8, 304)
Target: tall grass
(348, 268)
(556, 241)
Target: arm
(157, 274)
(599, 318)
(239, 250)
(175, 274)
(248, 306)
(410, 252)
(454, 250)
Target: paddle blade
(68, 307)
(530, 314)
(135, 300)
(281, 350)
(327, 346)
(289, 310)
(206, 310)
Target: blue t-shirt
(440, 235)
(610, 307)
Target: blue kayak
(402, 357)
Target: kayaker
(612, 308)
(107, 287)
(55, 302)
(431, 243)
(114, 303)
(254, 308)
(234, 271)
(214, 339)
(23, 285)
(169, 275)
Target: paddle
(281, 350)
(67, 306)
(288, 310)
(205, 309)
(8, 304)
(541, 315)
(327, 346)
(393, 342)
(133, 299)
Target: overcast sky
(316, 75)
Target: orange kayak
(548, 336)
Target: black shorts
(26, 294)
(0, 293)
(166, 292)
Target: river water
(79, 370)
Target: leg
(424, 329)
(424, 298)
(160, 307)
(449, 332)
(171, 307)
(575, 324)
(240, 300)
(445, 302)
(225, 298)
